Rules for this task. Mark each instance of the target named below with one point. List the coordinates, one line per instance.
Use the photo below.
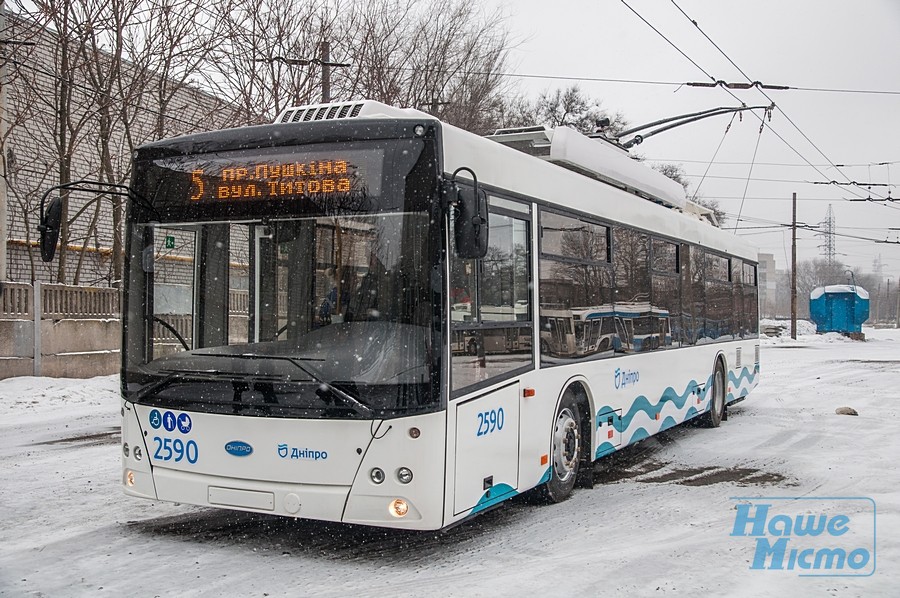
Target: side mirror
(49, 229)
(470, 223)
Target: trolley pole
(794, 268)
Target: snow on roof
(839, 288)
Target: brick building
(39, 142)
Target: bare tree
(676, 173)
(443, 57)
(266, 60)
(569, 107)
(167, 47)
(54, 91)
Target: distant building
(30, 142)
(768, 286)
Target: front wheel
(565, 452)
(716, 413)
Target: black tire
(716, 413)
(565, 451)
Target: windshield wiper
(155, 386)
(349, 400)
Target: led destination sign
(274, 180)
(281, 177)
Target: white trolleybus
(361, 314)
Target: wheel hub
(566, 442)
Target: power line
(750, 172)
(749, 79)
(713, 159)
(731, 93)
(671, 43)
(798, 181)
(791, 164)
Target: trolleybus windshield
(289, 282)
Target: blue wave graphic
(745, 373)
(643, 404)
(667, 423)
(546, 477)
(639, 434)
(497, 494)
(669, 395)
(604, 449)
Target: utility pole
(325, 58)
(325, 61)
(897, 324)
(887, 315)
(4, 128)
(794, 269)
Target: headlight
(376, 475)
(405, 475)
(129, 477)
(125, 450)
(138, 453)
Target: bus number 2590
(490, 421)
(168, 449)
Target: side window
(751, 301)
(490, 302)
(719, 299)
(665, 294)
(637, 326)
(737, 286)
(693, 303)
(576, 318)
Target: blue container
(839, 308)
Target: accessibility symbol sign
(184, 423)
(155, 419)
(169, 421)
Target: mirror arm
(75, 186)
(454, 198)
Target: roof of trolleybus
(506, 168)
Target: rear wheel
(716, 413)
(565, 451)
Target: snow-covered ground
(658, 521)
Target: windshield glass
(305, 303)
(296, 317)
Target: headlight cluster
(404, 475)
(136, 451)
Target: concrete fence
(79, 329)
(58, 330)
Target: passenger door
(487, 448)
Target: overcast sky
(828, 44)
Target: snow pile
(804, 327)
(30, 395)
